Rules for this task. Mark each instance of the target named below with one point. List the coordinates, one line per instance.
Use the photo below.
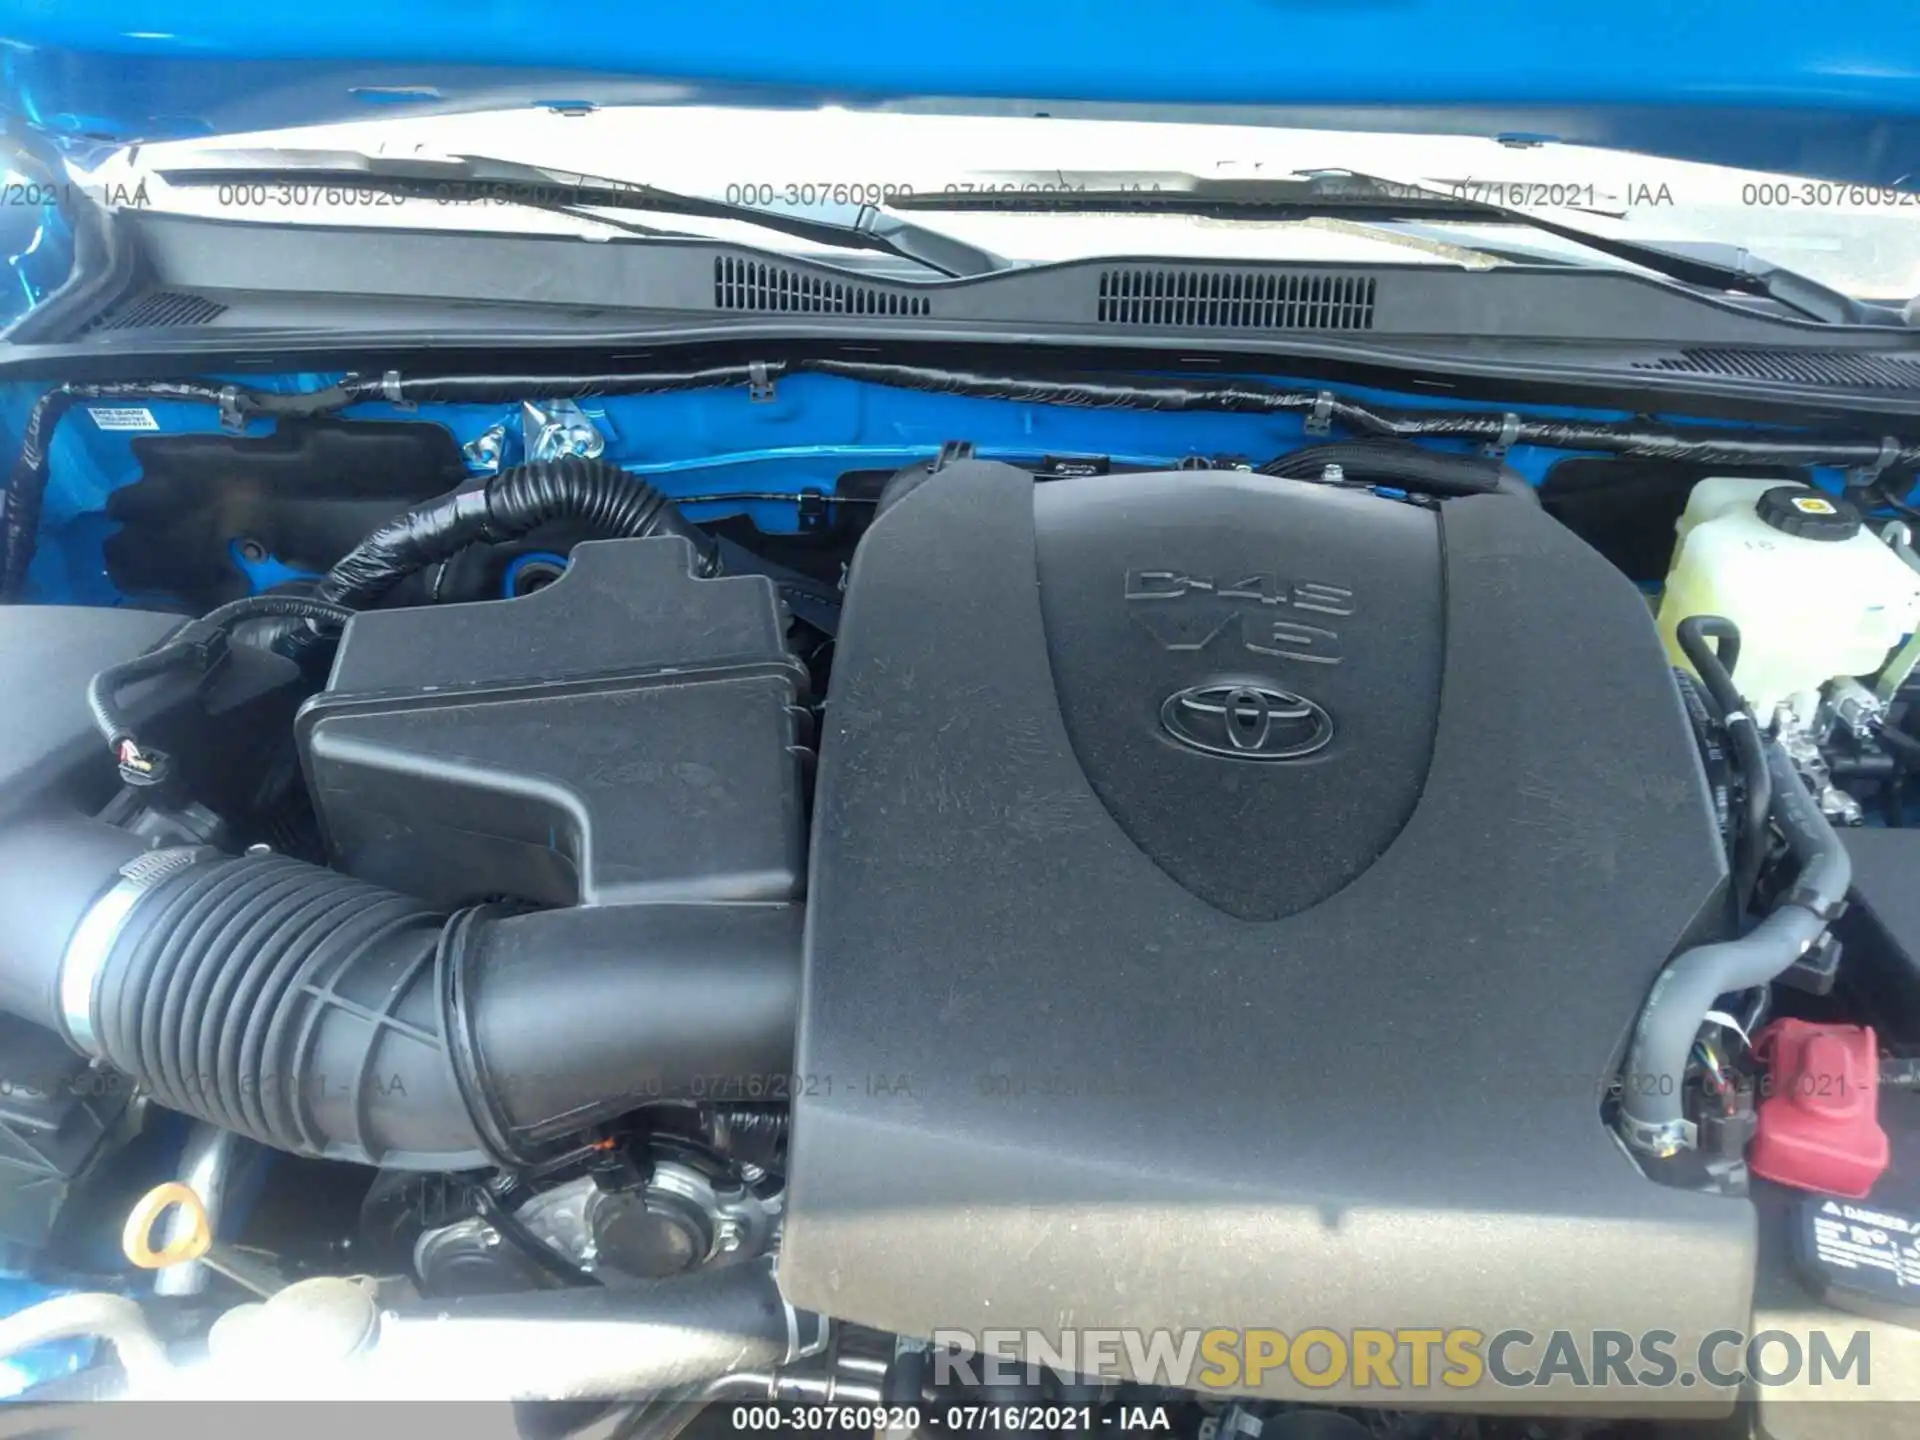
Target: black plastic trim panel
(1541, 302)
(315, 298)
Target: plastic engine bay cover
(1229, 898)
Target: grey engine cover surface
(1140, 993)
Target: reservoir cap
(1807, 513)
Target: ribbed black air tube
(325, 1016)
(293, 1005)
(600, 496)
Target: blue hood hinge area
(66, 253)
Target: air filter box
(628, 734)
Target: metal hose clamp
(94, 937)
(1663, 1140)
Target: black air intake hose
(1403, 464)
(328, 1017)
(594, 493)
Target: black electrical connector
(1727, 1125)
(195, 648)
(196, 654)
(1815, 972)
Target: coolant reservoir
(1815, 593)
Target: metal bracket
(1509, 433)
(814, 513)
(485, 450)
(231, 419)
(951, 453)
(1895, 672)
(1854, 707)
(554, 429)
(1808, 899)
(1664, 1140)
(1320, 418)
(759, 382)
(1862, 476)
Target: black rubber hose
(606, 1343)
(1707, 733)
(1403, 463)
(1825, 869)
(328, 1017)
(609, 502)
(1711, 644)
(1904, 749)
(574, 1016)
(1697, 635)
(1652, 1084)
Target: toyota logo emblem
(1246, 722)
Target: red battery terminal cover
(1818, 1124)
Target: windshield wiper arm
(1352, 195)
(537, 187)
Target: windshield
(827, 164)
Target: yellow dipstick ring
(137, 1238)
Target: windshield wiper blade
(1352, 195)
(461, 178)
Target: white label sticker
(123, 417)
(1846, 1246)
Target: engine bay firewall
(1229, 899)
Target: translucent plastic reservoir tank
(1815, 592)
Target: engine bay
(863, 857)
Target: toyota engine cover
(1230, 897)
